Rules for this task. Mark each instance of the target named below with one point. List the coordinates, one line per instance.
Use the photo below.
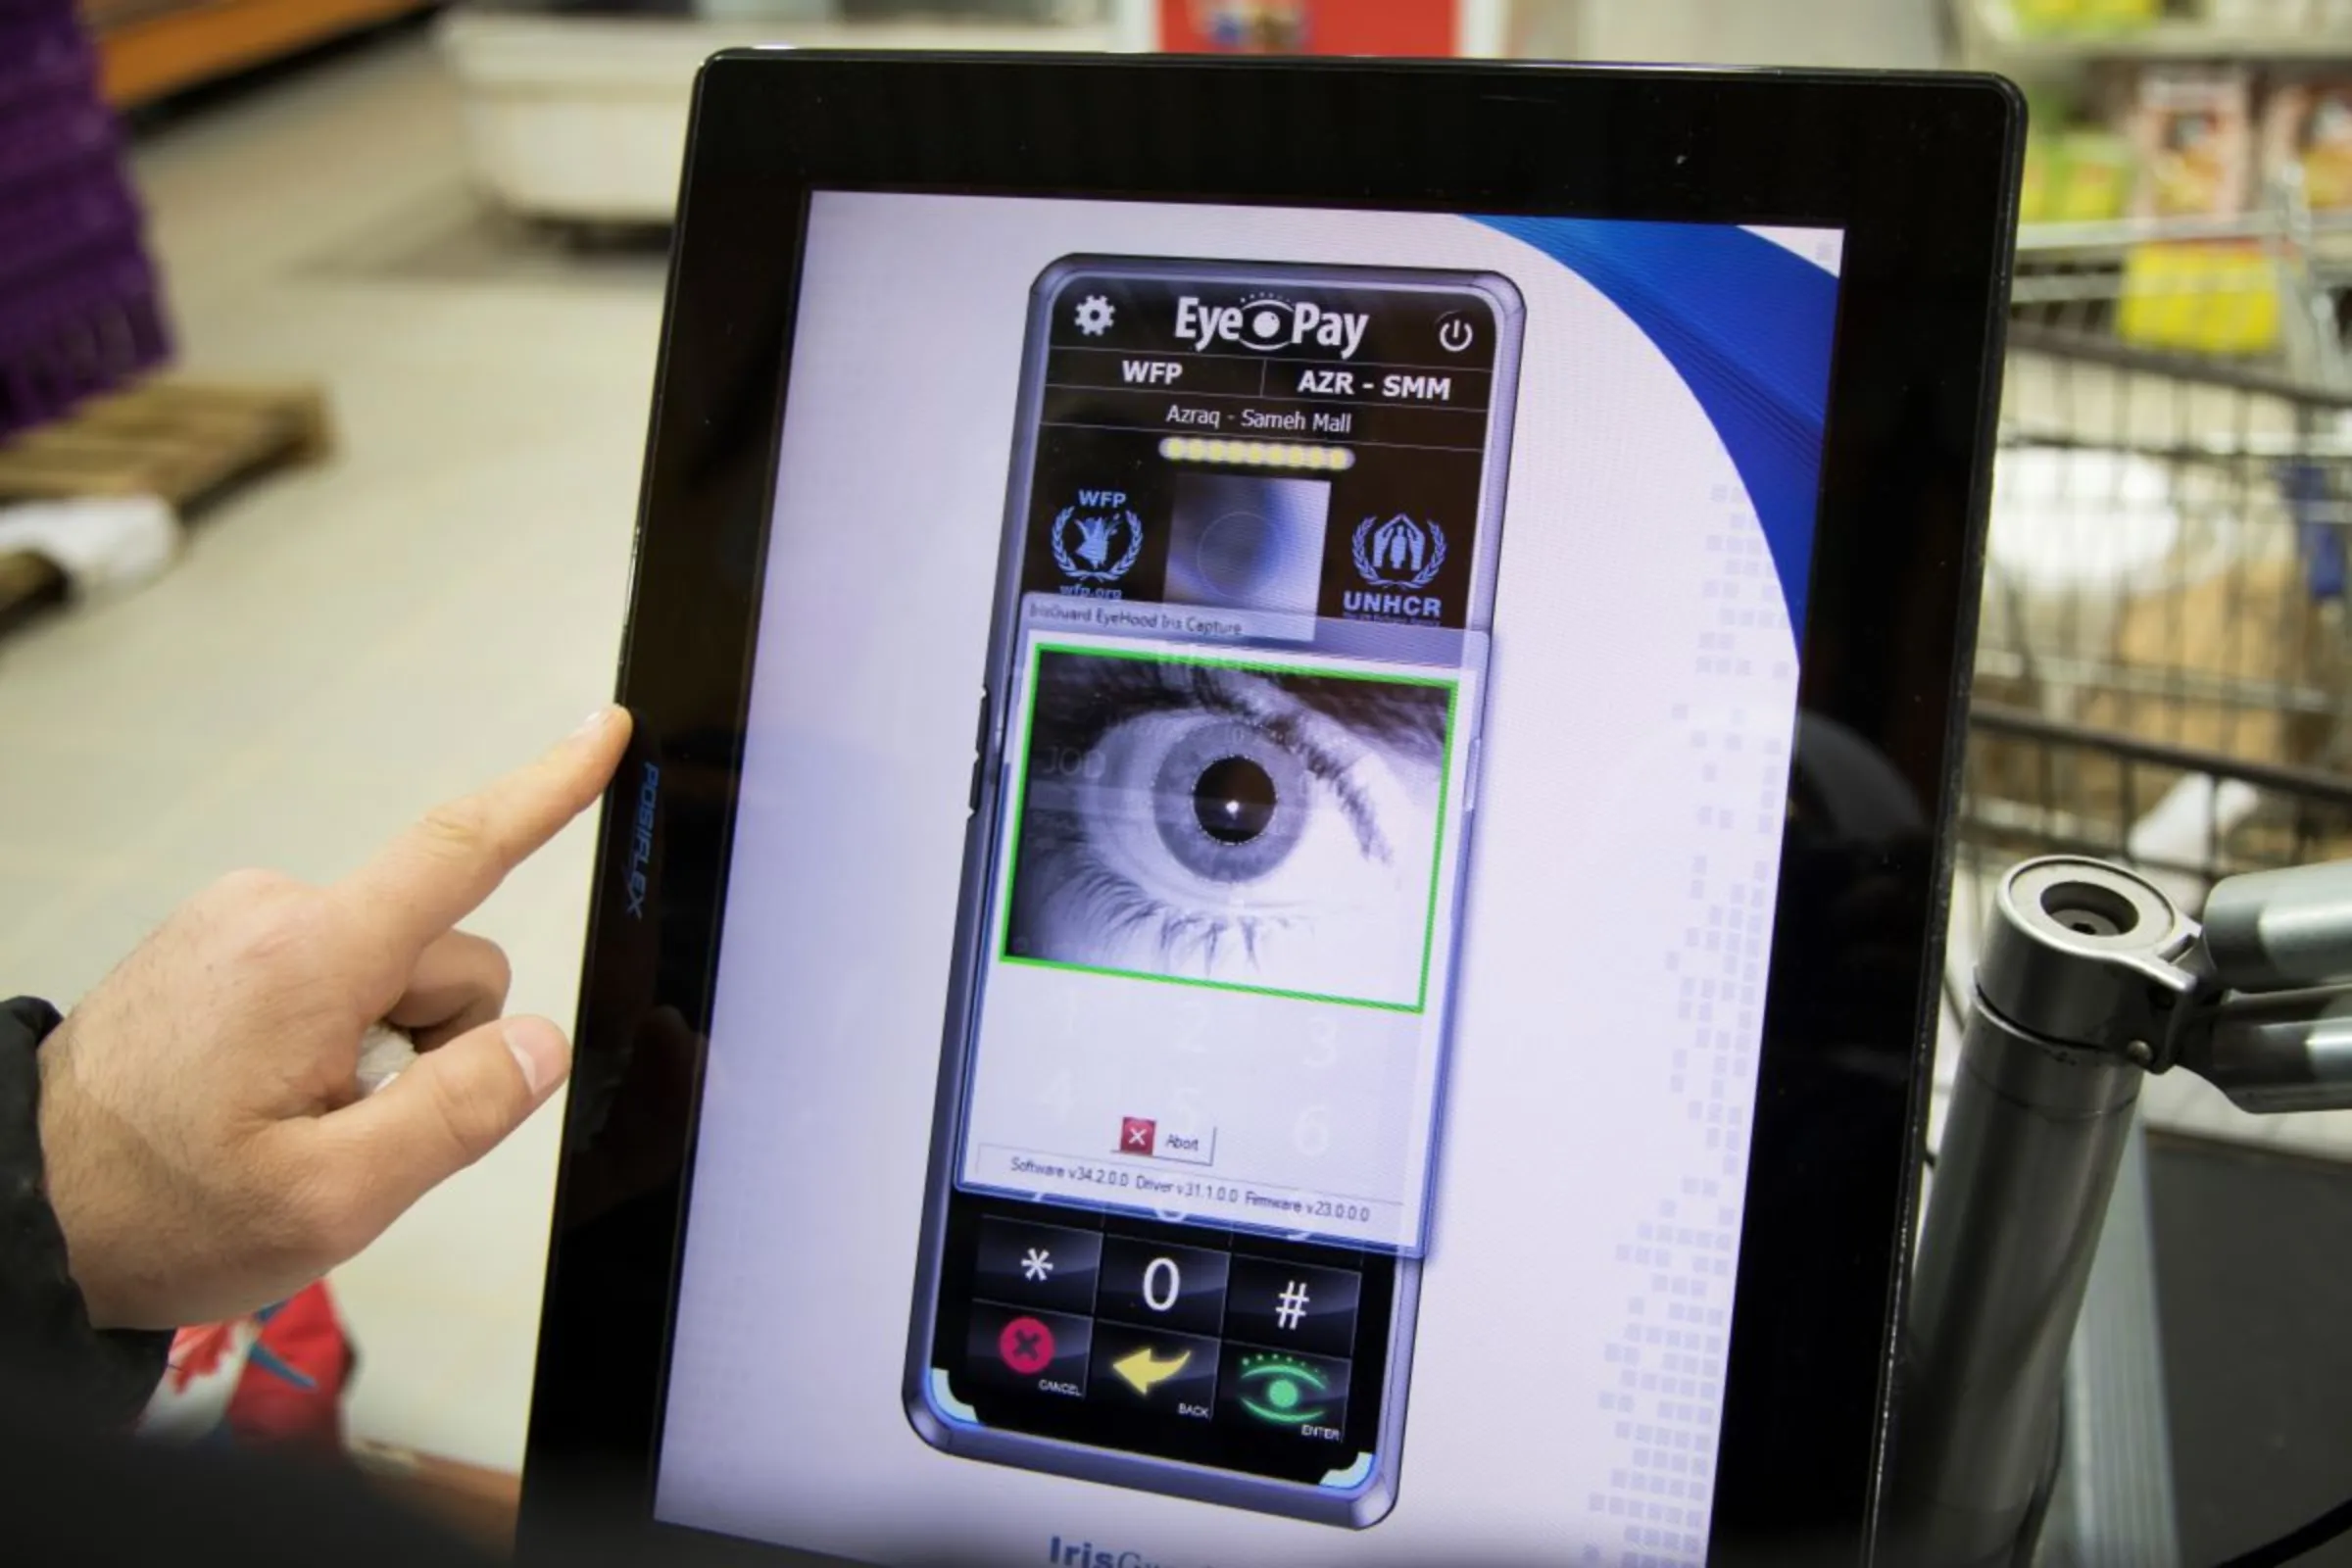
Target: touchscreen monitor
(1238, 1016)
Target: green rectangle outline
(1437, 860)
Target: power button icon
(1454, 334)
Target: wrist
(43, 1313)
(54, 1138)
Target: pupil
(1234, 799)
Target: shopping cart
(2164, 673)
(2164, 679)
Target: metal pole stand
(2091, 978)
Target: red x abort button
(1026, 1345)
(1024, 1350)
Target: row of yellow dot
(1255, 453)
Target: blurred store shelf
(151, 49)
(1996, 34)
(2330, 232)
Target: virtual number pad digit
(1178, 1289)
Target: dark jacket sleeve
(43, 1323)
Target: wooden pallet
(28, 585)
(188, 442)
(184, 441)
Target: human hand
(207, 1148)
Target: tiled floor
(343, 645)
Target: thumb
(448, 1108)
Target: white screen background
(1567, 1370)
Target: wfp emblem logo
(1099, 539)
(1398, 553)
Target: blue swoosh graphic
(1748, 326)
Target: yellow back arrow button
(1142, 1370)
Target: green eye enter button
(1292, 1394)
(1280, 1389)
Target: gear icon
(1093, 315)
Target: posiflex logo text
(1268, 321)
(640, 839)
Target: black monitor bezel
(1920, 174)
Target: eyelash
(1124, 907)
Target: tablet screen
(1241, 971)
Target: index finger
(439, 870)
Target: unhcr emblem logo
(1400, 556)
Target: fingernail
(538, 1049)
(593, 722)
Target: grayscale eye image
(1248, 826)
(1248, 542)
